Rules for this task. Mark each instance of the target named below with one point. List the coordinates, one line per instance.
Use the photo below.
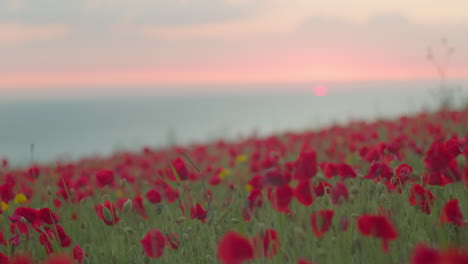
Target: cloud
(15, 33)
(15, 5)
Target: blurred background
(95, 76)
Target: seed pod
(180, 219)
(127, 206)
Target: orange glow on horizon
(27, 80)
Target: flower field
(389, 191)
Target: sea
(47, 129)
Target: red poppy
(437, 157)
(321, 222)
(154, 196)
(304, 261)
(171, 194)
(197, 212)
(402, 172)
(21, 259)
(105, 177)
(377, 226)
(321, 188)
(140, 209)
(153, 243)
(6, 192)
(303, 193)
(268, 245)
(306, 166)
(255, 198)
(78, 254)
(423, 254)
(339, 192)
(180, 168)
(107, 213)
(233, 248)
(173, 241)
(330, 169)
(345, 171)
(3, 259)
(280, 197)
(47, 216)
(452, 213)
(421, 197)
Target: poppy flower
(173, 241)
(47, 216)
(171, 194)
(423, 254)
(345, 171)
(321, 188)
(78, 254)
(197, 212)
(306, 166)
(330, 169)
(304, 261)
(451, 213)
(377, 226)
(303, 193)
(140, 209)
(6, 192)
(179, 166)
(321, 222)
(402, 172)
(233, 248)
(339, 192)
(267, 245)
(255, 198)
(105, 177)
(153, 243)
(3, 259)
(421, 197)
(280, 197)
(437, 157)
(107, 212)
(21, 259)
(154, 196)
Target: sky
(57, 46)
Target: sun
(320, 90)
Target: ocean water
(69, 128)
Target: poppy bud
(299, 232)
(354, 190)
(123, 183)
(261, 229)
(129, 230)
(380, 187)
(49, 190)
(127, 206)
(107, 214)
(321, 252)
(180, 219)
(235, 221)
(186, 237)
(319, 177)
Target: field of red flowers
(390, 191)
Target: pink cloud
(15, 33)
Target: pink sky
(128, 43)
